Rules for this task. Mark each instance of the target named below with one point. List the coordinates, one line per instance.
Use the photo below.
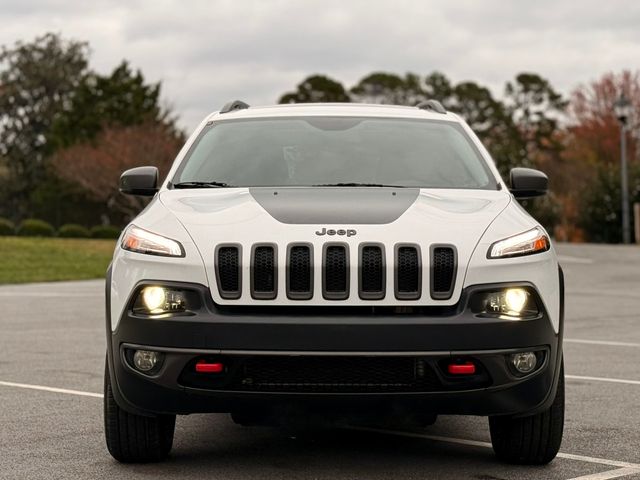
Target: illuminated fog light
(524, 362)
(515, 300)
(154, 299)
(145, 360)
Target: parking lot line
(623, 468)
(603, 379)
(609, 474)
(601, 342)
(475, 443)
(51, 389)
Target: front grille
(371, 271)
(264, 273)
(300, 272)
(228, 271)
(372, 277)
(340, 374)
(335, 272)
(443, 270)
(408, 273)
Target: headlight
(136, 239)
(511, 302)
(527, 243)
(156, 300)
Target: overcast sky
(208, 52)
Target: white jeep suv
(340, 260)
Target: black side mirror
(142, 181)
(528, 183)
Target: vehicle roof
(334, 109)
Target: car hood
(387, 216)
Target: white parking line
(51, 389)
(601, 342)
(631, 467)
(623, 468)
(617, 473)
(603, 379)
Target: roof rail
(234, 105)
(433, 105)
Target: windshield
(340, 151)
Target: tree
(388, 88)
(317, 89)
(37, 82)
(535, 108)
(96, 165)
(591, 169)
(119, 99)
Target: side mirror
(142, 181)
(528, 183)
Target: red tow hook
(202, 366)
(466, 368)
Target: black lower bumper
(235, 336)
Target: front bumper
(433, 337)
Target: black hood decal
(335, 205)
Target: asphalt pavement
(51, 372)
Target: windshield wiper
(355, 184)
(200, 185)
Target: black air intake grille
(335, 374)
(228, 271)
(372, 269)
(299, 273)
(336, 273)
(264, 273)
(408, 273)
(443, 270)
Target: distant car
(334, 259)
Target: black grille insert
(443, 272)
(300, 272)
(372, 272)
(334, 374)
(408, 270)
(335, 272)
(264, 274)
(228, 272)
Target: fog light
(145, 360)
(515, 300)
(524, 362)
(154, 299)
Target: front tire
(134, 438)
(532, 440)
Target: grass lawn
(26, 259)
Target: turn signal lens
(527, 243)
(136, 239)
